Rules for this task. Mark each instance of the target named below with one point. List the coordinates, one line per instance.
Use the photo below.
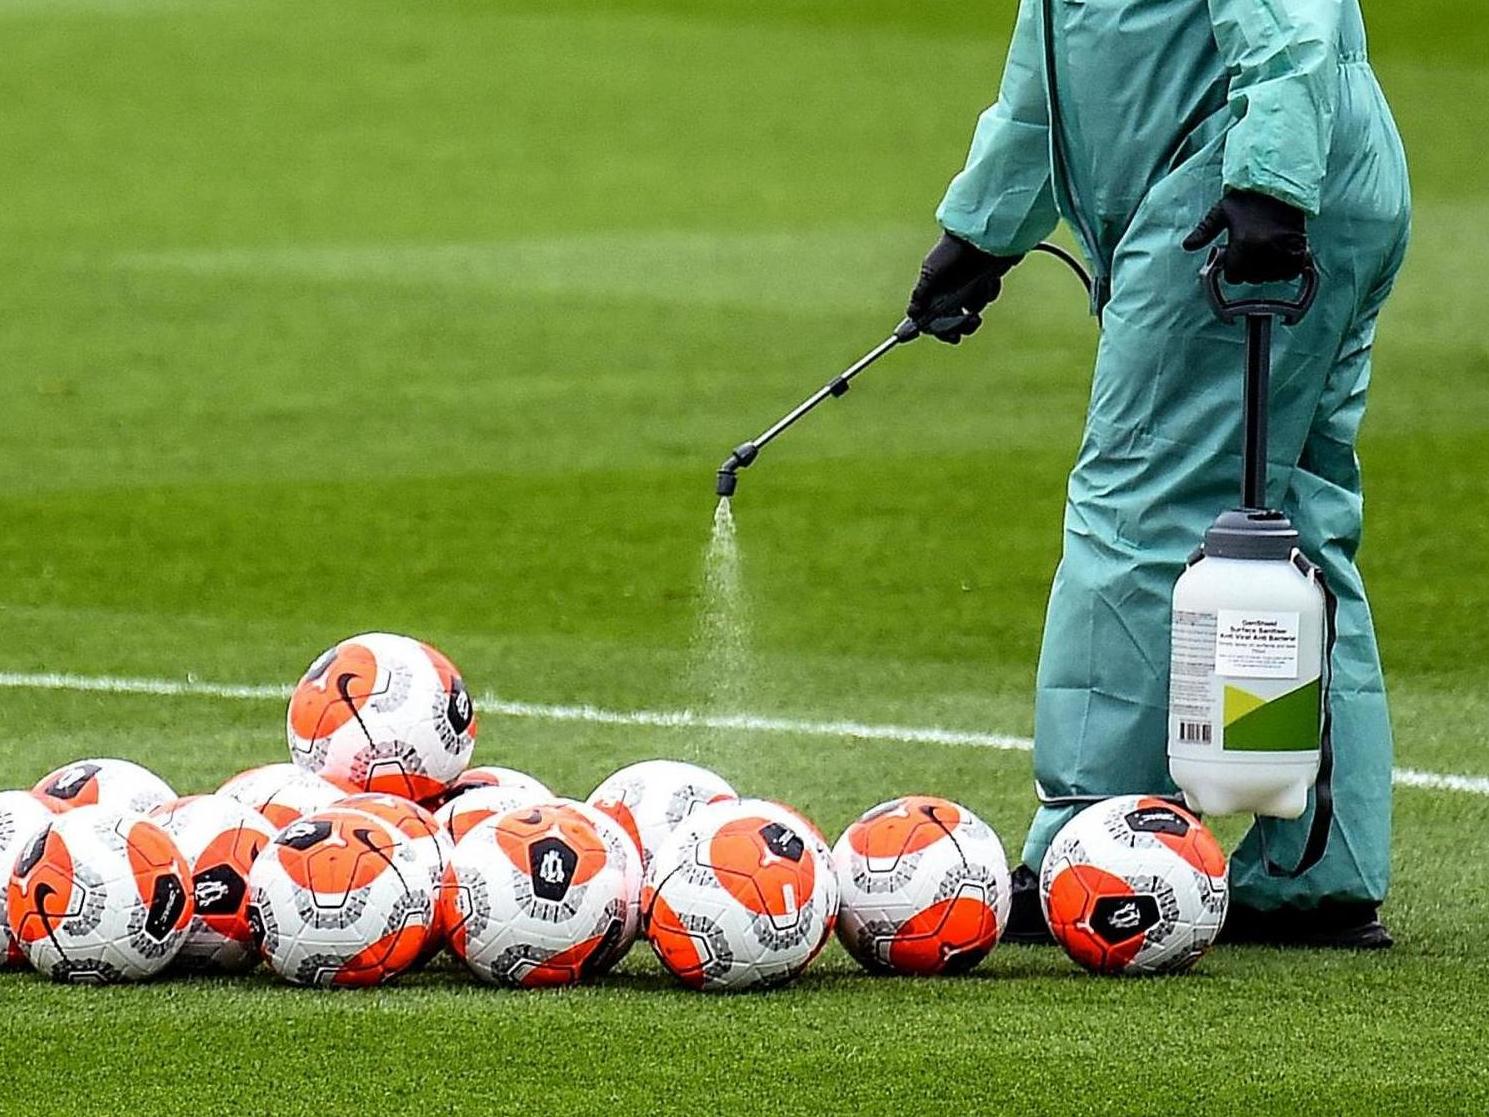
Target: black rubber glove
(957, 280)
(1268, 238)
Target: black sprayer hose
(907, 331)
(1069, 257)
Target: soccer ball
(925, 887)
(488, 776)
(381, 712)
(1134, 885)
(623, 852)
(433, 845)
(462, 813)
(281, 793)
(740, 895)
(649, 799)
(537, 897)
(220, 840)
(22, 814)
(119, 785)
(340, 898)
(100, 896)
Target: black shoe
(1026, 925)
(1333, 925)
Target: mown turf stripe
(658, 719)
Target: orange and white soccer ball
(118, 785)
(100, 896)
(430, 841)
(22, 815)
(741, 895)
(281, 793)
(1134, 885)
(925, 887)
(649, 799)
(220, 840)
(624, 854)
(538, 897)
(464, 812)
(380, 712)
(340, 898)
(488, 775)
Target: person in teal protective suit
(1155, 129)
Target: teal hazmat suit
(1130, 119)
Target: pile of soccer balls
(377, 847)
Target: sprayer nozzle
(738, 459)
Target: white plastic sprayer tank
(1246, 683)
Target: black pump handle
(1291, 311)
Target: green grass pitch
(438, 316)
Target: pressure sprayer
(1253, 627)
(944, 313)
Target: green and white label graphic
(1240, 684)
(1288, 722)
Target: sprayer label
(1256, 645)
(1191, 694)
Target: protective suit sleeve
(1283, 56)
(1002, 200)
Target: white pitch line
(595, 715)
(162, 688)
(657, 719)
(1439, 781)
(753, 723)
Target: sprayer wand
(945, 314)
(747, 452)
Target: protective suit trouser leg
(1159, 459)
